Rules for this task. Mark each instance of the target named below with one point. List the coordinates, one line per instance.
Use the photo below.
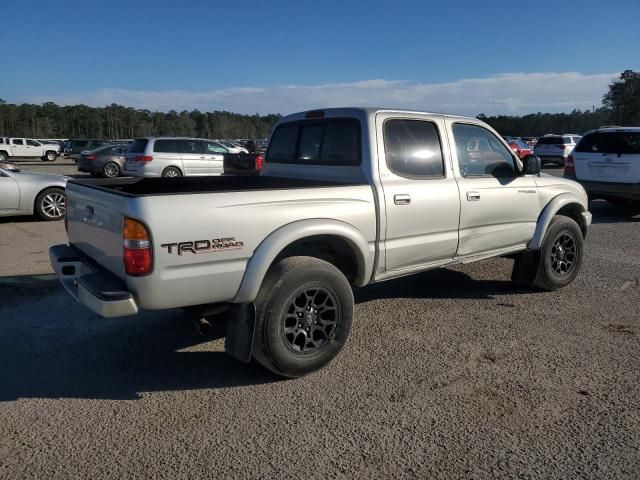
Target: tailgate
(94, 222)
(596, 167)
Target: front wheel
(49, 157)
(558, 262)
(303, 316)
(51, 204)
(3, 157)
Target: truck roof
(365, 111)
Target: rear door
(214, 152)
(421, 198)
(194, 161)
(608, 157)
(499, 207)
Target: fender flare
(277, 241)
(547, 215)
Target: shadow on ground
(605, 212)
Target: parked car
(243, 164)
(78, 146)
(231, 147)
(28, 193)
(607, 164)
(555, 148)
(107, 161)
(174, 157)
(520, 148)
(348, 196)
(27, 148)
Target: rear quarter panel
(245, 218)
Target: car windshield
(520, 144)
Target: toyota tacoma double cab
(347, 197)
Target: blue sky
(268, 56)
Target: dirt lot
(448, 374)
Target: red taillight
(143, 158)
(137, 254)
(259, 162)
(91, 157)
(569, 166)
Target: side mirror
(531, 165)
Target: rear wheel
(3, 156)
(303, 316)
(51, 204)
(171, 172)
(111, 170)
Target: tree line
(620, 106)
(50, 120)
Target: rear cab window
(329, 141)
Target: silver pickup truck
(347, 197)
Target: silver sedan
(27, 193)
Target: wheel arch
(173, 165)
(331, 240)
(39, 192)
(563, 204)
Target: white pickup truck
(347, 197)
(27, 148)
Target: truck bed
(138, 187)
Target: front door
(194, 160)
(215, 156)
(9, 193)
(420, 192)
(499, 206)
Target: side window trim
(440, 144)
(482, 175)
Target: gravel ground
(447, 374)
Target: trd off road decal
(203, 246)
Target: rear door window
(190, 146)
(18, 141)
(413, 149)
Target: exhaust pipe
(202, 325)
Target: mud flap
(525, 268)
(240, 328)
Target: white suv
(555, 148)
(607, 164)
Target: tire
(111, 170)
(291, 289)
(51, 204)
(557, 263)
(49, 157)
(171, 172)
(3, 157)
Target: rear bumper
(628, 191)
(552, 159)
(91, 285)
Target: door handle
(473, 196)
(402, 199)
(202, 157)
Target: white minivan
(174, 157)
(607, 164)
